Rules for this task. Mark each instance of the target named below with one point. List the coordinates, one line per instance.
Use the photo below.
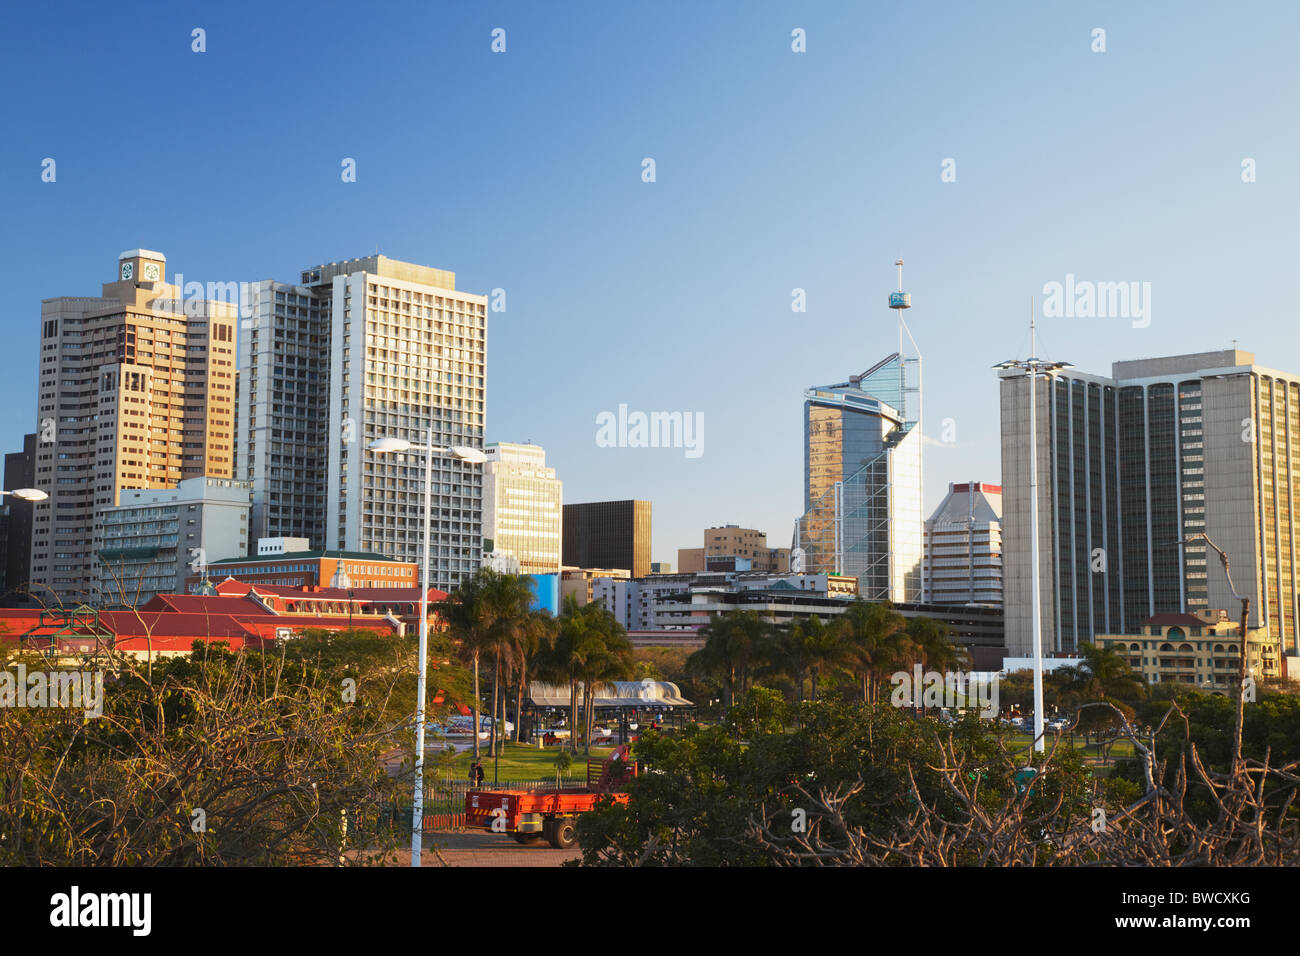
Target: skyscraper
(136, 390)
(608, 534)
(1131, 465)
(16, 525)
(963, 546)
(362, 349)
(522, 506)
(282, 414)
(863, 487)
(862, 484)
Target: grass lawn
(521, 762)
(1122, 748)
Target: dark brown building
(608, 534)
(16, 525)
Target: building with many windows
(153, 540)
(363, 349)
(1132, 464)
(963, 546)
(16, 526)
(282, 415)
(136, 391)
(579, 583)
(862, 482)
(728, 546)
(640, 604)
(1202, 650)
(299, 567)
(608, 534)
(522, 506)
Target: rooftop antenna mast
(900, 302)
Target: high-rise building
(863, 487)
(522, 502)
(963, 546)
(744, 549)
(152, 540)
(1129, 466)
(363, 349)
(608, 534)
(862, 483)
(282, 414)
(16, 526)
(136, 390)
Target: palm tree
(471, 619)
(929, 645)
(604, 654)
(732, 643)
(825, 649)
(788, 654)
(1103, 672)
(875, 635)
(557, 659)
(510, 597)
(537, 632)
(933, 646)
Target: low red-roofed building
(241, 615)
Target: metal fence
(444, 800)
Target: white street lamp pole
(417, 805)
(1034, 367)
(1035, 605)
(472, 455)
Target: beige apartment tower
(136, 390)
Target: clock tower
(141, 266)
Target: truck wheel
(527, 838)
(563, 834)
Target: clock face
(128, 270)
(150, 271)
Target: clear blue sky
(775, 170)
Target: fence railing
(444, 800)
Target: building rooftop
(1174, 619)
(305, 556)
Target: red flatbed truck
(548, 813)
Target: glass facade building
(862, 484)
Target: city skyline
(739, 216)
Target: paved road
(479, 848)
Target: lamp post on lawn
(382, 446)
(1034, 367)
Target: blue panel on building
(546, 590)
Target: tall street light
(27, 494)
(388, 445)
(1034, 367)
